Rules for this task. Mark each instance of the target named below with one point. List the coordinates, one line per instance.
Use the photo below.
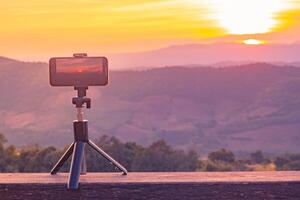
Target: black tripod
(78, 165)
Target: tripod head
(81, 98)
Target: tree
(160, 157)
(257, 157)
(280, 162)
(124, 153)
(222, 155)
(2, 153)
(288, 162)
(44, 159)
(26, 158)
(11, 157)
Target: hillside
(243, 108)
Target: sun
(248, 16)
(253, 42)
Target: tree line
(158, 157)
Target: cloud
(144, 5)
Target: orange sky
(37, 30)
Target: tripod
(78, 163)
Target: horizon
(119, 57)
(60, 28)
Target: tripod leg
(76, 165)
(63, 159)
(83, 165)
(107, 157)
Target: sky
(37, 30)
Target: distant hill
(243, 108)
(207, 54)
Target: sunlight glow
(33, 29)
(253, 42)
(248, 16)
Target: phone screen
(79, 65)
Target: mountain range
(243, 108)
(215, 54)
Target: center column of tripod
(81, 123)
(78, 164)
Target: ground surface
(202, 185)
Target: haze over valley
(243, 108)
